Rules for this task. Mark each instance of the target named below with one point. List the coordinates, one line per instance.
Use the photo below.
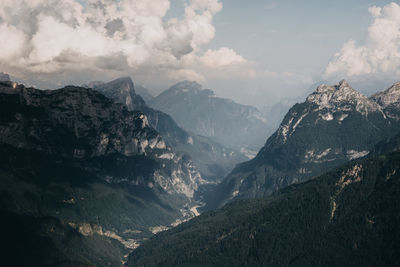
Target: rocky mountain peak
(125, 84)
(333, 103)
(75, 123)
(342, 94)
(329, 93)
(186, 86)
(200, 111)
(389, 96)
(343, 83)
(205, 152)
(122, 83)
(123, 91)
(335, 124)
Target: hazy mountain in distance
(213, 159)
(144, 93)
(334, 125)
(276, 112)
(198, 110)
(346, 217)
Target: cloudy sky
(255, 51)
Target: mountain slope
(334, 125)
(389, 100)
(45, 241)
(200, 111)
(99, 169)
(144, 93)
(346, 217)
(212, 159)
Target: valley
(113, 172)
(138, 133)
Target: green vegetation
(347, 217)
(46, 241)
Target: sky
(257, 52)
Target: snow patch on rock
(169, 156)
(317, 157)
(298, 122)
(327, 116)
(354, 154)
(284, 129)
(235, 193)
(342, 117)
(190, 140)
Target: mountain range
(200, 111)
(82, 168)
(89, 174)
(212, 159)
(334, 125)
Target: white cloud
(185, 74)
(222, 57)
(130, 36)
(380, 55)
(11, 42)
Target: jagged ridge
(335, 124)
(212, 159)
(199, 110)
(100, 169)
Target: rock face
(125, 93)
(389, 100)
(212, 159)
(78, 123)
(82, 115)
(200, 111)
(341, 98)
(346, 217)
(78, 156)
(122, 91)
(334, 125)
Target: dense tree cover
(347, 217)
(46, 241)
